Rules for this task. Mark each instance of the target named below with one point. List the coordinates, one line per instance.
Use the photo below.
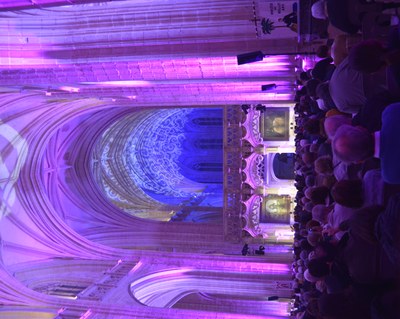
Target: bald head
(353, 144)
(332, 123)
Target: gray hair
(318, 10)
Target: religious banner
(275, 209)
(274, 124)
(275, 19)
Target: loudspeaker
(273, 298)
(268, 87)
(250, 57)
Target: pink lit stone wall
(186, 51)
(68, 69)
(59, 212)
(189, 81)
(8, 5)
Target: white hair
(321, 105)
(318, 10)
(309, 277)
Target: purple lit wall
(71, 69)
(157, 53)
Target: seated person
(326, 180)
(289, 19)
(323, 165)
(352, 144)
(371, 55)
(338, 12)
(304, 77)
(347, 88)
(245, 250)
(355, 144)
(342, 45)
(325, 149)
(317, 194)
(333, 273)
(385, 305)
(348, 193)
(311, 86)
(370, 115)
(323, 51)
(332, 123)
(323, 70)
(338, 215)
(323, 94)
(347, 15)
(260, 250)
(387, 229)
(344, 305)
(321, 212)
(366, 260)
(373, 188)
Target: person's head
(314, 225)
(309, 277)
(311, 86)
(342, 306)
(304, 76)
(304, 254)
(305, 245)
(312, 126)
(318, 268)
(320, 285)
(325, 251)
(335, 112)
(305, 100)
(314, 237)
(320, 213)
(310, 180)
(327, 180)
(323, 70)
(318, 10)
(300, 277)
(302, 233)
(299, 93)
(367, 56)
(348, 193)
(321, 104)
(309, 158)
(332, 123)
(323, 165)
(317, 194)
(314, 147)
(323, 51)
(308, 206)
(304, 200)
(365, 227)
(323, 93)
(353, 144)
(304, 142)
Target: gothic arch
(165, 288)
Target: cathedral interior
(142, 152)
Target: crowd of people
(347, 213)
